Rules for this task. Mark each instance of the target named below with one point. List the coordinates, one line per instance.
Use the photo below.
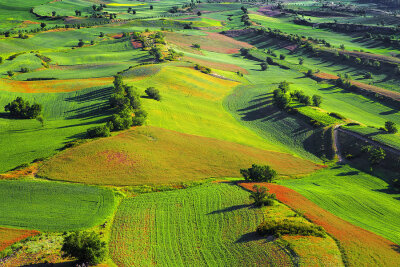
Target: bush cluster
(153, 93)
(22, 109)
(262, 197)
(289, 227)
(203, 69)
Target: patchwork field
(10, 236)
(156, 156)
(207, 225)
(52, 206)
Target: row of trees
(282, 97)
(128, 112)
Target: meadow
(53, 206)
(212, 224)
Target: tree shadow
(248, 237)
(348, 173)
(229, 209)
(396, 248)
(100, 94)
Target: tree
(368, 75)
(264, 66)
(21, 109)
(199, 13)
(375, 155)
(153, 93)
(81, 43)
(10, 73)
(261, 196)
(87, 247)
(301, 61)
(317, 100)
(284, 86)
(40, 119)
(259, 173)
(282, 57)
(196, 46)
(151, 7)
(99, 131)
(53, 13)
(101, 34)
(342, 47)
(390, 127)
(43, 25)
(281, 99)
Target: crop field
(52, 206)
(156, 156)
(208, 225)
(371, 207)
(222, 86)
(361, 247)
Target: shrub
(196, 46)
(284, 86)
(261, 196)
(264, 66)
(282, 57)
(10, 73)
(390, 127)
(288, 227)
(21, 109)
(153, 93)
(139, 118)
(203, 69)
(99, 131)
(368, 75)
(258, 173)
(337, 116)
(24, 70)
(85, 246)
(317, 100)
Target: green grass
(53, 206)
(211, 224)
(358, 198)
(392, 140)
(67, 116)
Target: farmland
(132, 124)
(219, 230)
(48, 206)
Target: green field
(359, 198)
(212, 224)
(53, 206)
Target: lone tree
(85, 246)
(390, 127)
(199, 13)
(261, 196)
(259, 173)
(264, 66)
(21, 109)
(317, 100)
(153, 93)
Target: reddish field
(216, 65)
(363, 86)
(213, 42)
(52, 86)
(362, 247)
(151, 155)
(11, 236)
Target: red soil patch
(117, 36)
(362, 247)
(291, 47)
(11, 236)
(30, 22)
(216, 65)
(52, 86)
(136, 44)
(325, 76)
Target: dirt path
(336, 144)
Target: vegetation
(153, 93)
(261, 196)
(22, 109)
(287, 227)
(87, 247)
(259, 173)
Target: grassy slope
(211, 224)
(354, 196)
(361, 247)
(149, 155)
(67, 116)
(53, 206)
(10, 236)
